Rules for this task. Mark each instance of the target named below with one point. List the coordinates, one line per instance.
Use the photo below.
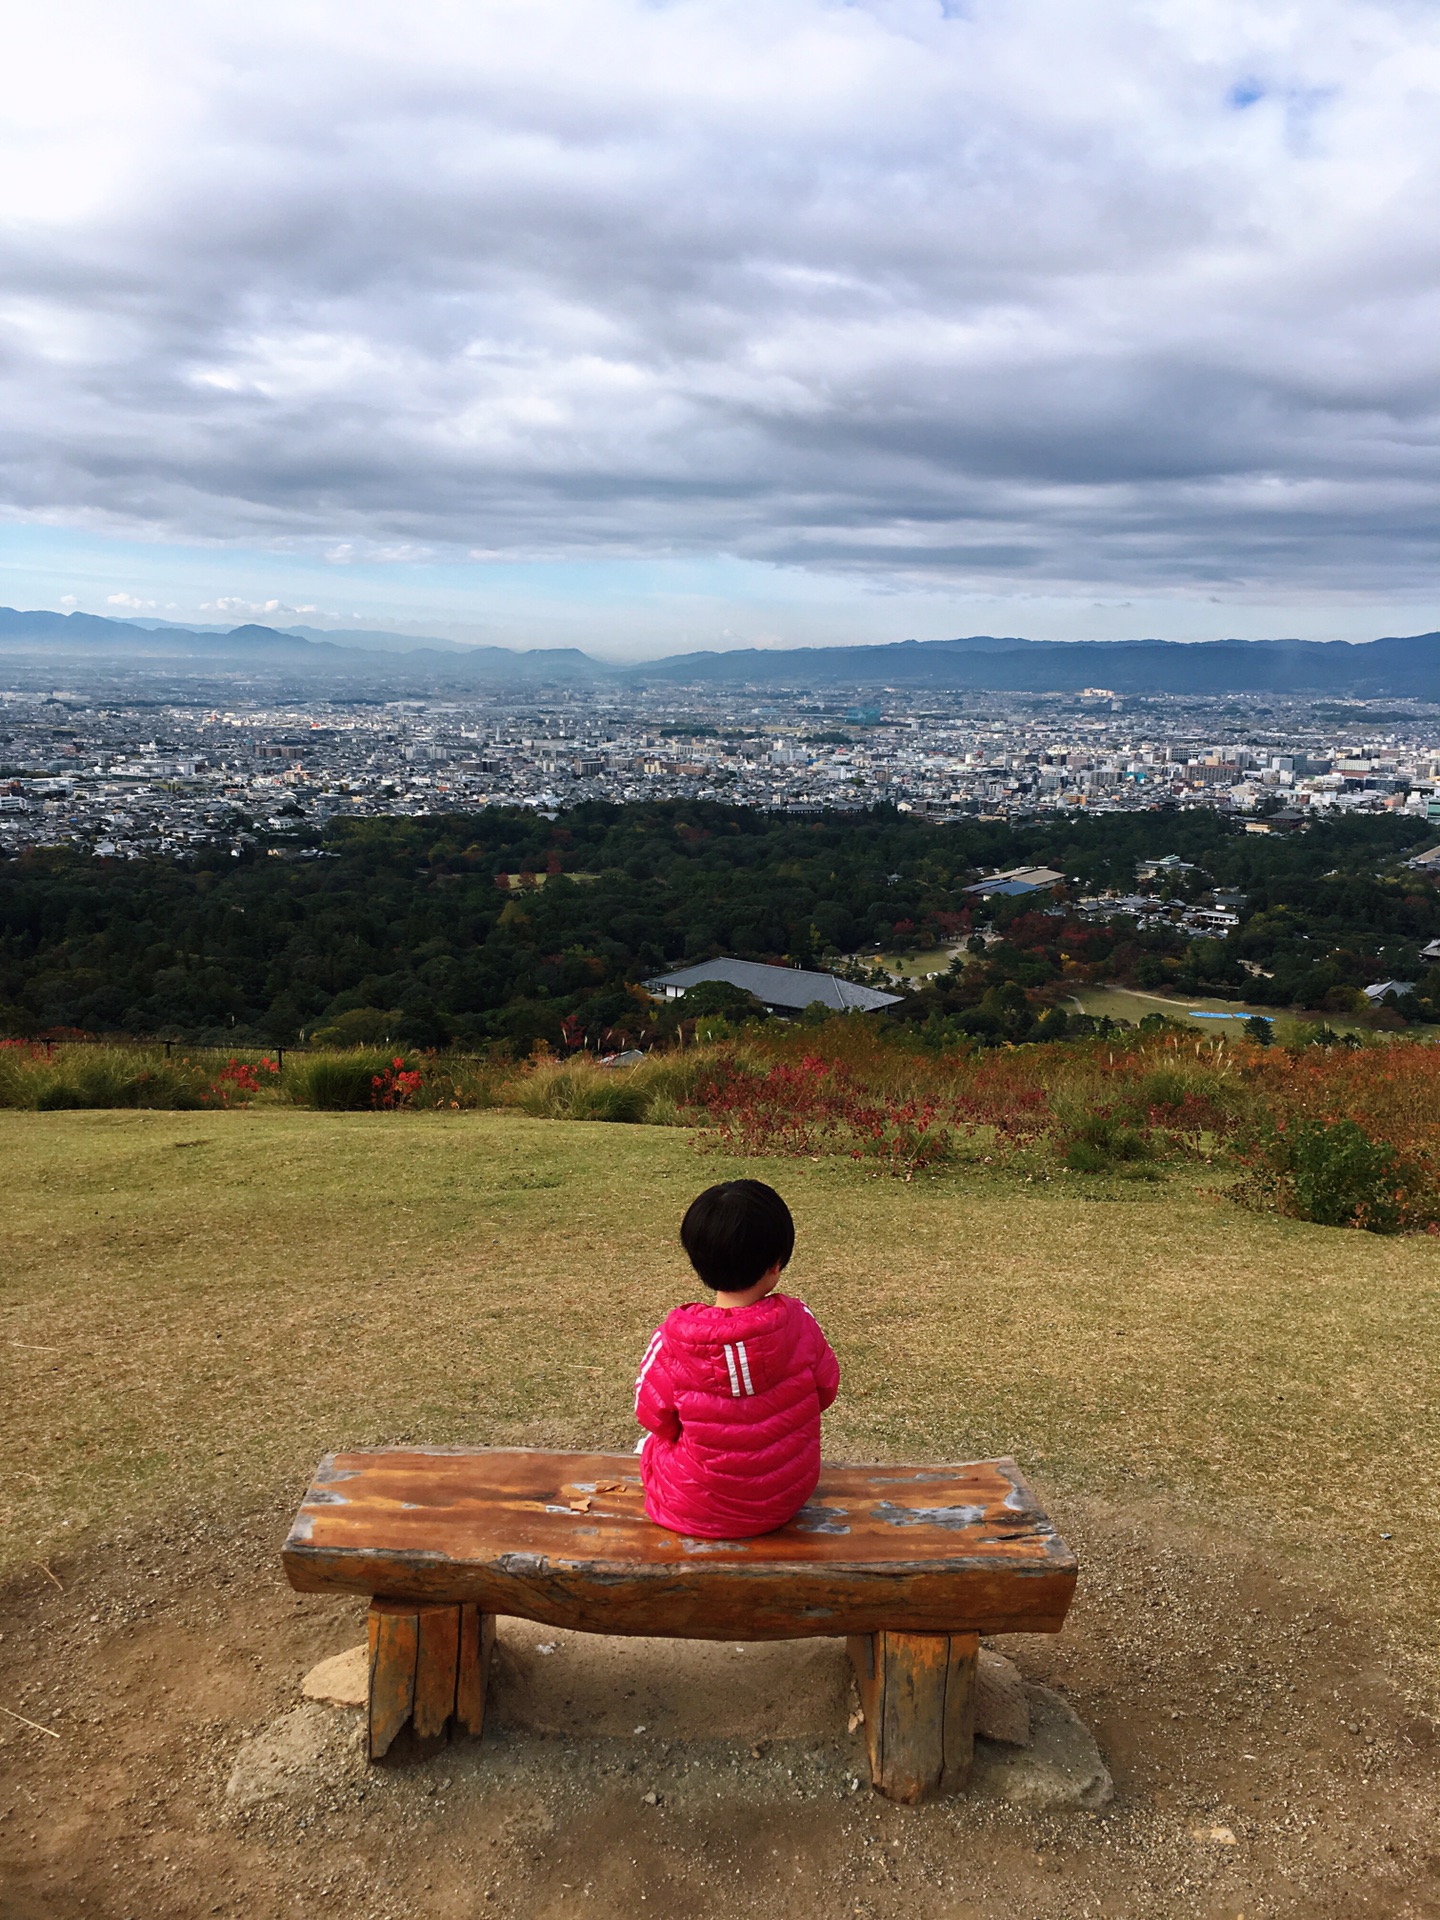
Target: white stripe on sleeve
(652, 1354)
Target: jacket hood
(734, 1351)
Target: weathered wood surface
(429, 1665)
(917, 1691)
(563, 1538)
(477, 1643)
(437, 1670)
(394, 1633)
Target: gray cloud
(1108, 296)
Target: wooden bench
(910, 1564)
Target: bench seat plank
(562, 1538)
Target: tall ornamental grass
(47, 1078)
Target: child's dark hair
(736, 1232)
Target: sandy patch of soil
(1266, 1761)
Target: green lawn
(194, 1306)
(1127, 1003)
(912, 966)
(915, 966)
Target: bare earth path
(1227, 1415)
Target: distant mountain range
(1393, 668)
(368, 639)
(87, 637)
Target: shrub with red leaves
(236, 1081)
(396, 1086)
(812, 1107)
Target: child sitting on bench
(732, 1394)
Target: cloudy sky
(641, 324)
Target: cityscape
(128, 775)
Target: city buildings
(123, 773)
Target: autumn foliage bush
(239, 1081)
(1333, 1173)
(813, 1106)
(1338, 1136)
(395, 1085)
(1346, 1138)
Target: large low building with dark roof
(1017, 881)
(780, 989)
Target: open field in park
(912, 966)
(1129, 1003)
(1233, 1417)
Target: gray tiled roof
(793, 988)
(1017, 880)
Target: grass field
(195, 1306)
(915, 966)
(1126, 1003)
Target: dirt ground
(1231, 1703)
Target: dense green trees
(507, 926)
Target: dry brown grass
(195, 1306)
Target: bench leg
(917, 1691)
(477, 1642)
(429, 1664)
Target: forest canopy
(507, 926)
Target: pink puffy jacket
(732, 1398)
